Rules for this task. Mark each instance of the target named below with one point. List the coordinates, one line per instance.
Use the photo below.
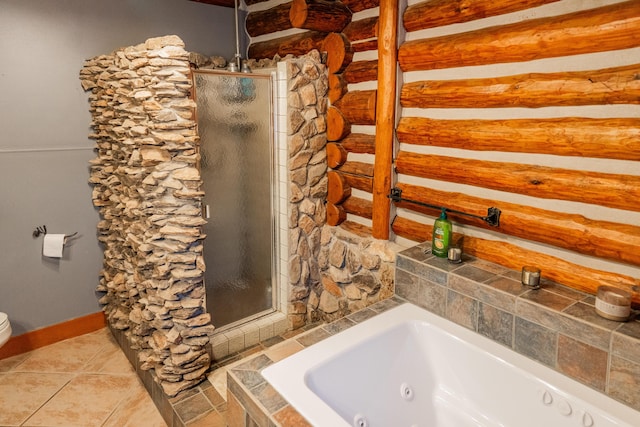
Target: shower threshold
(245, 334)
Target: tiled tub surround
(554, 325)
(252, 401)
(410, 367)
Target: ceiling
(225, 3)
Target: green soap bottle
(441, 235)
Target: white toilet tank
(5, 329)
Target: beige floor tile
(136, 411)
(22, 393)
(218, 379)
(212, 419)
(86, 401)
(10, 363)
(64, 356)
(110, 359)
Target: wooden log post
(600, 29)
(337, 188)
(336, 155)
(339, 52)
(358, 106)
(296, 44)
(337, 125)
(269, 20)
(385, 117)
(319, 15)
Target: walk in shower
(235, 125)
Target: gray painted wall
(44, 148)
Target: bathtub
(409, 367)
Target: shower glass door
(237, 157)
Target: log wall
(532, 106)
(281, 28)
(535, 113)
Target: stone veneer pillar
(332, 271)
(147, 187)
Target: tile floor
(85, 381)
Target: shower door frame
(274, 199)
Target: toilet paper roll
(53, 245)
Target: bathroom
(47, 158)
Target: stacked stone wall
(147, 187)
(357, 271)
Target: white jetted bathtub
(409, 367)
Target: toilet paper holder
(42, 229)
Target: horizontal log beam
(337, 87)
(336, 214)
(436, 13)
(336, 155)
(358, 107)
(571, 136)
(269, 20)
(319, 15)
(339, 52)
(619, 85)
(361, 71)
(360, 207)
(357, 168)
(360, 5)
(602, 29)
(514, 257)
(356, 228)
(362, 29)
(359, 182)
(337, 188)
(603, 239)
(338, 126)
(365, 46)
(296, 44)
(359, 143)
(611, 190)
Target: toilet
(5, 329)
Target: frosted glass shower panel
(235, 128)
